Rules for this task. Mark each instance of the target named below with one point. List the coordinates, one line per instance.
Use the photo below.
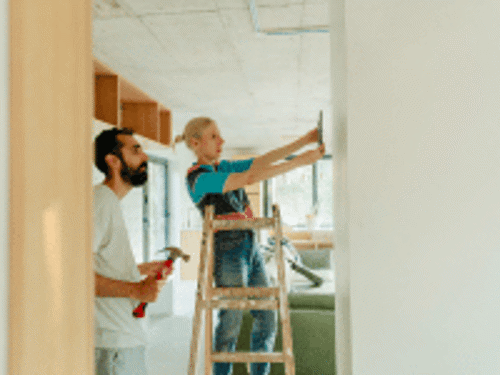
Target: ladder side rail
(200, 299)
(283, 306)
(209, 279)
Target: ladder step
(267, 222)
(253, 304)
(248, 357)
(245, 292)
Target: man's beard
(133, 176)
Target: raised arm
(282, 152)
(261, 171)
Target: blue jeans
(120, 361)
(239, 263)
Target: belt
(248, 214)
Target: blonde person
(238, 262)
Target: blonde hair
(193, 129)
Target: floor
(170, 338)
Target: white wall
(4, 182)
(424, 177)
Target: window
(292, 191)
(304, 195)
(156, 209)
(148, 227)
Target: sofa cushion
(311, 301)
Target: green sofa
(313, 332)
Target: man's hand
(148, 289)
(151, 268)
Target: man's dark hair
(107, 143)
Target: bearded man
(120, 285)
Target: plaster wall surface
(423, 175)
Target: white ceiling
(211, 57)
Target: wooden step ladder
(208, 297)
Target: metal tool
(175, 252)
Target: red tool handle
(140, 311)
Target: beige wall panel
(51, 311)
(190, 243)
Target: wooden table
(312, 244)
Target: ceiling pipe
(282, 31)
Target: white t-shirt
(115, 326)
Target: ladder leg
(283, 298)
(209, 280)
(287, 344)
(200, 301)
(208, 341)
(193, 358)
